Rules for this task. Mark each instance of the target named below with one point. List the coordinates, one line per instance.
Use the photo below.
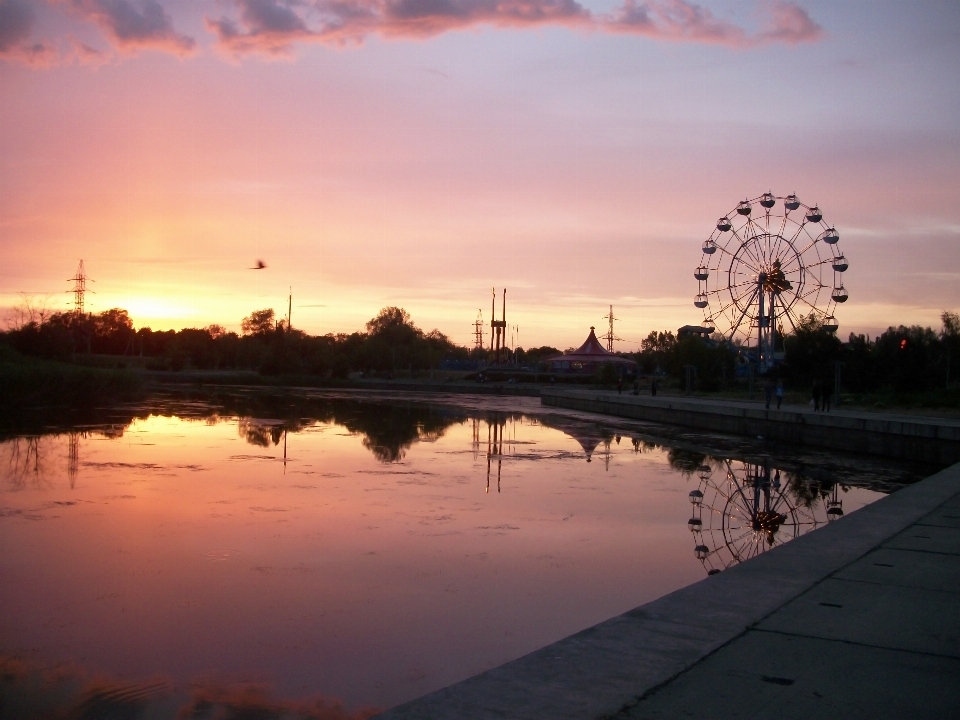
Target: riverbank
(31, 383)
(910, 437)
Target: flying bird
(259, 266)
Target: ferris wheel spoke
(812, 240)
(794, 263)
(750, 281)
(736, 300)
(787, 311)
(783, 223)
(814, 309)
(749, 531)
(746, 246)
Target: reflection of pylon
(79, 289)
(478, 331)
(610, 337)
(73, 458)
(494, 449)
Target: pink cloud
(274, 26)
(674, 20)
(134, 25)
(789, 23)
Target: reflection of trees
(685, 461)
(28, 459)
(261, 432)
(810, 486)
(390, 430)
(25, 461)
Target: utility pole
(289, 313)
(478, 331)
(79, 289)
(610, 336)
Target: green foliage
(32, 383)
(810, 352)
(607, 374)
(664, 352)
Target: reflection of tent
(587, 442)
(589, 357)
(587, 436)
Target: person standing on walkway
(779, 393)
(827, 392)
(620, 385)
(768, 391)
(816, 395)
(653, 387)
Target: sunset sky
(418, 152)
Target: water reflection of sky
(371, 553)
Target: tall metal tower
(79, 289)
(610, 336)
(498, 328)
(478, 331)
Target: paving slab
(906, 568)
(890, 616)
(927, 538)
(944, 517)
(767, 675)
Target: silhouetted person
(817, 391)
(768, 391)
(636, 387)
(653, 387)
(779, 393)
(827, 392)
(620, 386)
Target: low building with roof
(589, 358)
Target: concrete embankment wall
(924, 439)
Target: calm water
(297, 555)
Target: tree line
(902, 358)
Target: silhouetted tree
(259, 322)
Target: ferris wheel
(771, 262)
(743, 509)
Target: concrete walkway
(859, 619)
(878, 638)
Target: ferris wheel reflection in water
(742, 509)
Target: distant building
(703, 332)
(589, 358)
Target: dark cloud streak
(17, 19)
(274, 26)
(132, 26)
